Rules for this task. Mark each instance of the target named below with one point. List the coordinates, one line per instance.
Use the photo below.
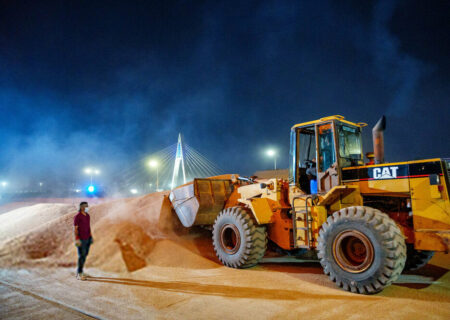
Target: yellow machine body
(424, 186)
(415, 194)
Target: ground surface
(143, 266)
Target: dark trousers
(83, 251)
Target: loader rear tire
(361, 249)
(416, 259)
(238, 242)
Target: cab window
(350, 148)
(327, 156)
(303, 155)
(307, 142)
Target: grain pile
(25, 219)
(129, 234)
(144, 264)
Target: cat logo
(385, 173)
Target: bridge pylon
(179, 162)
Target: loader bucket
(200, 201)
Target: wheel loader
(366, 222)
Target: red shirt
(84, 225)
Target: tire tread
(256, 239)
(393, 243)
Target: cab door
(303, 157)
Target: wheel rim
(353, 251)
(230, 239)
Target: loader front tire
(238, 242)
(361, 249)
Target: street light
(134, 191)
(154, 164)
(273, 153)
(91, 172)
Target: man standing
(83, 237)
(311, 172)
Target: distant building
(268, 174)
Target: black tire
(416, 259)
(361, 249)
(238, 242)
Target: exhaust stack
(378, 140)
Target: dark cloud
(400, 71)
(90, 82)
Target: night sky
(107, 83)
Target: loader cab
(332, 144)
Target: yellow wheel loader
(366, 222)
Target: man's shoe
(85, 275)
(80, 276)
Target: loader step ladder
(302, 224)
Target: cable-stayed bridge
(168, 168)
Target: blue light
(91, 188)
